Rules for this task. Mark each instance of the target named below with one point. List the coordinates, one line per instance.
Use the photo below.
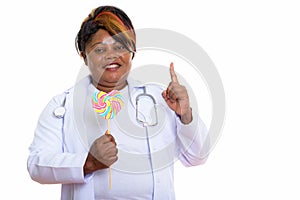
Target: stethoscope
(60, 111)
(137, 100)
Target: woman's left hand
(177, 98)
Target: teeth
(112, 66)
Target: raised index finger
(173, 74)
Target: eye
(99, 49)
(119, 47)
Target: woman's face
(108, 60)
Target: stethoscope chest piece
(59, 112)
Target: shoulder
(154, 88)
(151, 86)
(81, 85)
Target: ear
(83, 55)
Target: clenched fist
(102, 154)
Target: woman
(72, 149)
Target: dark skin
(177, 98)
(110, 64)
(102, 154)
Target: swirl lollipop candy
(107, 105)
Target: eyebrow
(96, 44)
(103, 43)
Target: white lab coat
(144, 169)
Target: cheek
(94, 61)
(127, 59)
(95, 68)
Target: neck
(108, 88)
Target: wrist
(186, 117)
(92, 164)
(89, 165)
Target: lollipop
(107, 105)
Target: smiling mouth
(112, 67)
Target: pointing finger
(173, 74)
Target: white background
(255, 46)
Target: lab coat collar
(133, 84)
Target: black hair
(92, 24)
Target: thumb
(164, 94)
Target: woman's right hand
(102, 154)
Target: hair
(112, 19)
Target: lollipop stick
(110, 180)
(108, 127)
(109, 169)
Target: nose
(111, 54)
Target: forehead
(101, 36)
